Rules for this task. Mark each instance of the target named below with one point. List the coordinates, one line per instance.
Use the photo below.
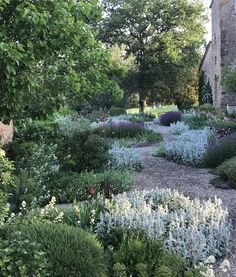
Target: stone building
(221, 51)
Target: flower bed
(195, 229)
(190, 147)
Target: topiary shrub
(170, 117)
(117, 111)
(227, 171)
(70, 251)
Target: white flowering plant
(178, 128)
(190, 147)
(122, 157)
(193, 228)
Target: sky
(208, 36)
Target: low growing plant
(220, 150)
(195, 229)
(227, 171)
(178, 128)
(122, 129)
(122, 157)
(69, 186)
(190, 147)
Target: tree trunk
(142, 104)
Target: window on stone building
(215, 60)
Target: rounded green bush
(117, 111)
(227, 171)
(70, 251)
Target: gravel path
(193, 182)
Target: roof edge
(205, 54)
(211, 4)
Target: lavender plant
(170, 117)
(193, 228)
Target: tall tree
(49, 55)
(163, 35)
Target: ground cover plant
(227, 171)
(123, 157)
(190, 147)
(193, 228)
(178, 128)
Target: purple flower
(170, 117)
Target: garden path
(193, 182)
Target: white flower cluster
(178, 128)
(190, 147)
(122, 157)
(195, 229)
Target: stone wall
(228, 44)
(216, 52)
(223, 50)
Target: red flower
(109, 187)
(90, 190)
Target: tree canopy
(49, 55)
(163, 35)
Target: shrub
(227, 171)
(196, 120)
(25, 189)
(36, 130)
(41, 163)
(143, 256)
(193, 228)
(226, 125)
(207, 107)
(190, 147)
(70, 186)
(117, 111)
(83, 151)
(122, 157)
(22, 257)
(69, 250)
(170, 117)
(68, 125)
(6, 184)
(219, 151)
(121, 129)
(178, 128)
